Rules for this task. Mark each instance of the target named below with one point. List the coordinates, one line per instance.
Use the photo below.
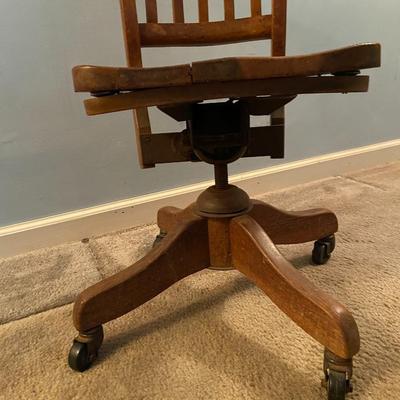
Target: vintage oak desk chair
(223, 229)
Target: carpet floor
(213, 335)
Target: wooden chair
(224, 229)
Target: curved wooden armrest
(89, 78)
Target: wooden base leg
(284, 227)
(321, 316)
(168, 218)
(183, 252)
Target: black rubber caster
(84, 349)
(159, 238)
(78, 357)
(337, 385)
(323, 249)
(338, 373)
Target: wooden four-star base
(246, 242)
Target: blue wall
(54, 159)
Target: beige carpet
(213, 335)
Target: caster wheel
(84, 349)
(338, 373)
(159, 238)
(322, 250)
(337, 385)
(78, 357)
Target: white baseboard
(98, 220)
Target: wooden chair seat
(88, 78)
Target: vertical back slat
(203, 10)
(131, 33)
(229, 7)
(134, 58)
(178, 12)
(278, 46)
(255, 8)
(151, 11)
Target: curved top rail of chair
(93, 79)
(207, 33)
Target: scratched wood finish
(194, 243)
(158, 270)
(173, 147)
(282, 227)
(94, 78)
(218, 90)
(166, 148)
(349, 58)
(320, 315)
(205, 34)
(289, 227)
(88, 78)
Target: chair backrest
(203, 33)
